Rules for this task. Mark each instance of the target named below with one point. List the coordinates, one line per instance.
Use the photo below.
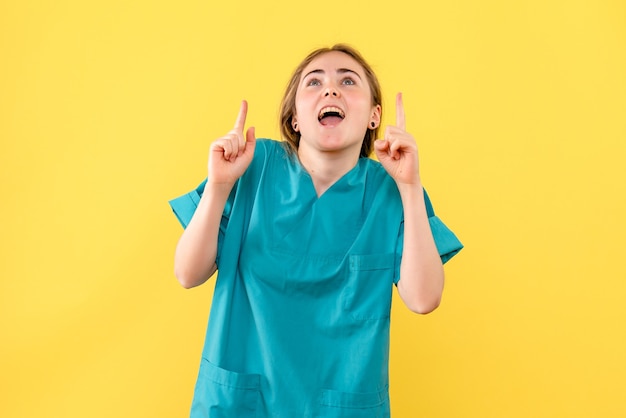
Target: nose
(331, 91)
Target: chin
(334, 145)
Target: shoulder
(375, 172)
(371, 164)
(267, 146)
(379, 186)
(268, 155)
(266, 150)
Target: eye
(313, 82)
(348, 81)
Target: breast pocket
(369, 286)
(221, 393)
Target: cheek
(300, 104)
(365, 112)
(362, 102)
(304, 109)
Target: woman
(309, 236)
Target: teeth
(331, 109)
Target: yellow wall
(107, 109)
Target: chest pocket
(369, 286)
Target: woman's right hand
(230, 155)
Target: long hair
(288, 104)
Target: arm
(229, 157)
(194, 260)
(421, 271)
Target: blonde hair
(288, 104)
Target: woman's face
(334, 104)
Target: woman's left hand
(397, 151)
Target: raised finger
(400, 121)
(241, 118)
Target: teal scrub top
(299, 323)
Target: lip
(334, 107)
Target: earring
(373, 124)
(295, 126)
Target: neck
(325, 168)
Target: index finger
(400, 121)
(241, 118)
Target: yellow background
(107, 109)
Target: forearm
(421, 271)
(194, 261)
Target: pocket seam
(347, 400)
(231, 379)
(371, 262)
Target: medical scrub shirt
(299, 323)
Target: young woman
(309, 236)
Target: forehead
(333, 61)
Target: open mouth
(331, 115)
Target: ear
(375, 117)
(294, 123)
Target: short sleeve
(185, 206)
(448, 245)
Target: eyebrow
(339, 71)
